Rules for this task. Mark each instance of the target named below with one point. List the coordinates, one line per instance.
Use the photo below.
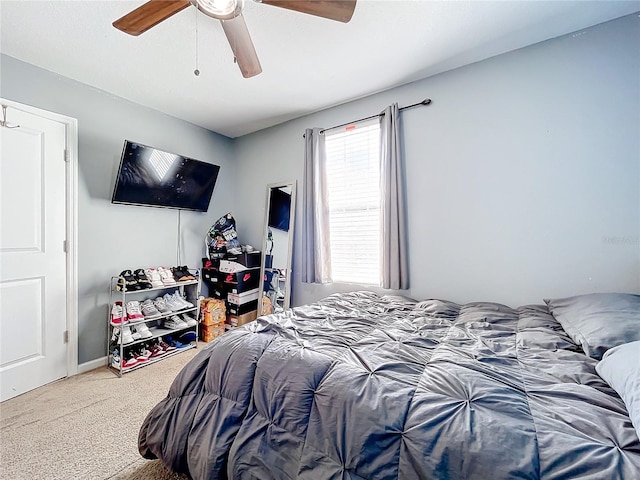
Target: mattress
(367, 386)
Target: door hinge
(66, 336)
(65, 246)
(66, 155)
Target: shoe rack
(189, 290)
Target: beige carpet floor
(86, 426)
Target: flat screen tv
(279, 209)
(151, 177)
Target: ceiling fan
(229, 12)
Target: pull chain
(196, 72)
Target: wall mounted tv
(151, 177)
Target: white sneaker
(154, 277)
(162, 307)
(174, 323)
(190, 321)
(179, 299)
(125, 335)
(172, 303)
(142, 330)
(167, 277)
(134, 314)
(149, 310)
(118, 314)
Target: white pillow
(620, 368)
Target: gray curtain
(395, 267)
(316, 249)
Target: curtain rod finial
(426, 101)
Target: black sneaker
(127, 282)
(179, 275)
(142, 279)
(184, 269)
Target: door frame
(71, 203)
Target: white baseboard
(92, 365)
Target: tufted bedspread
(361, 386)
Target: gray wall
(523, 176)
(112, 238)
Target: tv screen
(151, 177)
(279, 209)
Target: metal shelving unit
(189, 290)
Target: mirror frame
(265, 226)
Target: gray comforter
(366, 386)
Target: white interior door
(33, 274)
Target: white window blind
(353, 188)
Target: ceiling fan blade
(149, 15)
(340, 10)
(241, 45)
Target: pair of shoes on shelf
(175, 323)
(182, 274)
(183, 341)
(118, 314)
(123, 335)
(128, 334)
(149, 310)
(129, 360)
(129, 281)
(134, 313)
(176, 302)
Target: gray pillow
(620, 368)
(598, 321)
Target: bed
(367, 386)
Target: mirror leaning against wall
(277, 247)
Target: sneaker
(126, 336)
(187, 337)
(156, 350)
(142, 279)
(149, 310)
(142, 353)
(179, 275)
(129, 336)
(174, 323)
(115, 358)
(167, 277)
(165, 346)
(134, 313)
(162, 307)
(175, 343)
(173, 303)
(187, 273)
(154, 277)
(179, 300)
(127, 282)
(190, 321)
(118, 314)
(143, 330)
(129, 360)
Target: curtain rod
(426, 101)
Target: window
(353, 190)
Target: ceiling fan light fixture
(220, 9)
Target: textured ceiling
(308, 63)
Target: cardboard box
(248, 259)
(242, 298)
(239, 310)
(209, 333)
(216, 289)
(213, 311)
(241, 282)
(239, 320)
